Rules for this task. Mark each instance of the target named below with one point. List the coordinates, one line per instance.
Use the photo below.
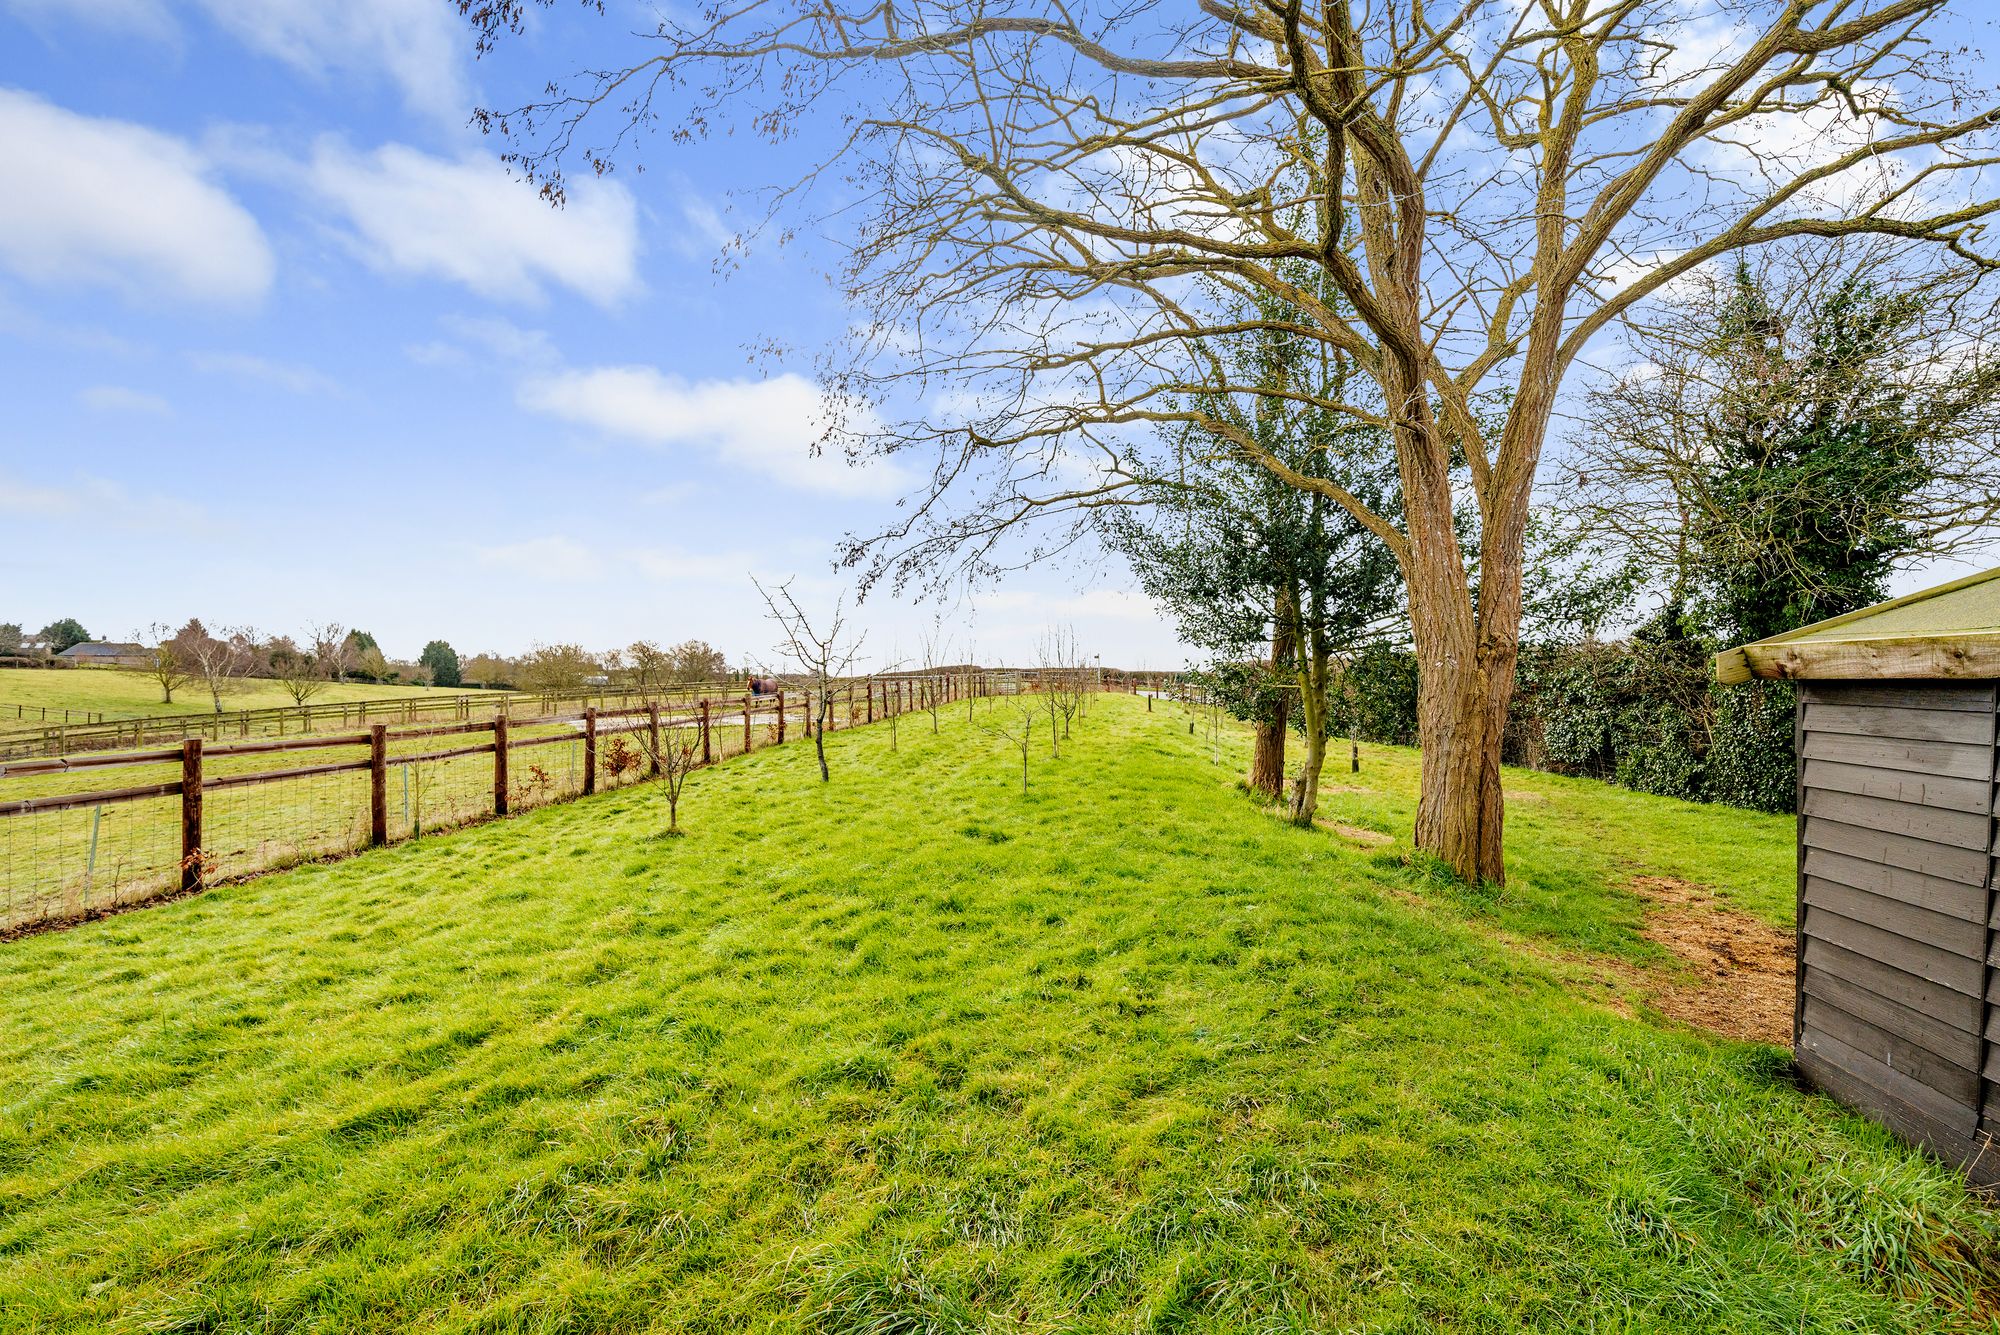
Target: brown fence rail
(21, 734)
(207, 809)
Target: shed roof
(1952, 630)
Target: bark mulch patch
(1738, 981)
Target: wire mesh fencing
(182, 817)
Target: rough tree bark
(1267, 754)
(1487, 186)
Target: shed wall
(1897, 864)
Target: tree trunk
(1267, 754)
(1463, 689)
(1311, 676)
(1305, 788)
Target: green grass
(123, 693)
(914, 1052)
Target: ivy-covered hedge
(1646, 714)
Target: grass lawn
(122, 693)
(913, 1052)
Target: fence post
(781, 717)
(653, 731)
(707, 757)
(500, 765)
(378, 784)
(589, 750)
(870, 687)
(746, 725)
(191, 855)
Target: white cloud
(505, 339)
(673, 493)
(464, 219)
(1114, 604)
(416, 44)
(500, 340)
(248, 366)
(30, 326)
(769, 426)
(550, 558)
(112, 204)
(705, 229)
(25, 498)
(119, 399)
(107, 503)
(670, 565)
(437, 353)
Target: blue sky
(284, 344)
(281, 343)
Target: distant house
(102, 653)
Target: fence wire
(258, 815)
(88, 859)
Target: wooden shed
(1898, 731)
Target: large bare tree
(217, 661)
(1049, 207)
(295, 669)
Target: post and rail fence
(33, 730)
(204, 809)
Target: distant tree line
(193, 656)
(54, 638)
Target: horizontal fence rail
(23, 734)
(86, 834)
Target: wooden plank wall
(1897, 867)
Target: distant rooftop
(102, 649)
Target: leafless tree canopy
(1049, 209)
(1642, 462)
(164, 663)
(1015, 724)
(1066, 679)
(217, 661)
(674, 748)
(331, 649)
(822, 647)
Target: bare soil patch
(1742, 968)
(1355, 834)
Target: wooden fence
(63, 732)
(169, 833)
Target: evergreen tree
(64, 634)
(1818, 441)
(442, 661)
(1248, 564)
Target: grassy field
(914, 1052)
(69, 863)
(118, 693)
